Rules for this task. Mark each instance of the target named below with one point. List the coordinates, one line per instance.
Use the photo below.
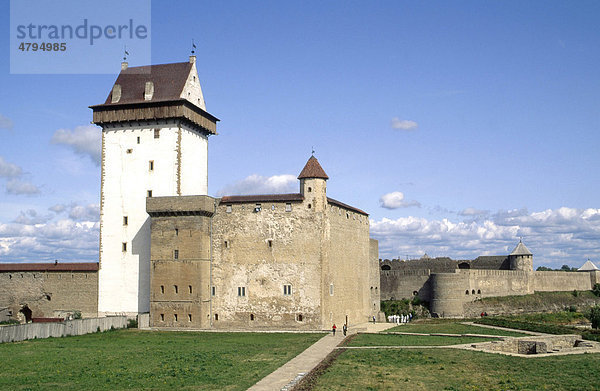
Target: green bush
(594, 316)
(76, 314)
(132, 323)
(596, 290)
(10, 321)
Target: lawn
(411, 340)
(450, 369)
(133, 359)
(451, 328)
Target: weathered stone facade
(48, 290)
(283, 261)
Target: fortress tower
(155, 132)
(521, 258)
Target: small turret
(312, 184)
(521, 258)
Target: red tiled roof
(168, 79)
(313, 169)
(50, 267)
(346, 206)
(262, 198)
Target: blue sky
(459, 126)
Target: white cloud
(58, 208)
(9, 170)
(473, 212)
(20, 187)
(396, 200)
(403, 124)
(258, 184)
(33, 237)
(5, 122)
(555, 236)
(83, 140)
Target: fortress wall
(561, 281)
(374, 280)
(50, 294)
(595, 278)
(487, 283)
(401, 284)
(448, 294)
(243, 257)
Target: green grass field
(411, 340)
(132, 359)
(451, 328)
(451, 369)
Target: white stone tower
(521, 258)
(155, 132)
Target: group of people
(399, 318)
(344, 329)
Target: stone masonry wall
(50, 294)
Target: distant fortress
(449, 284)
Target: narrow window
(241, 291)
(162, 317)
(467, 292)
(175, 254)
(149, 194)
(129, 150)
(473, 291)
(175, 315)
(270, 243)
(176, 288)
(156, 133)
(251, 316)
(300, 317)
(124, 246)
(309, 189)
(347, 215)
(190, 288)
(125, 220)
(176, 232)
(287, 290)
(138, 140)
(478, 291)
(151, 165)
(257, 208)
(288, 206)
(162, 289)
(216, 316)
(226, 244)
(330, 289)
(228, 209)
(309, 206)
(213, 291)
(189, 317)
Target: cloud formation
(5, 122)
(473, 212)
(396, 200)
(403, 124)
(16, 184)
(83, 140)
(9, 170)
(258, 184)
(555, 236)
(32, 237)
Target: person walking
(344, 329)
(333, 329)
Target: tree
(594, 316)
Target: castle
(300, 260)
(450, 285)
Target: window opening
(189, 317)
(228, 209)
(287, 290)
(270, 243)
(176, 254)
(251, 316)
(162, 317)
(330, 289)
(190, 288)
(216, 316)
(214, 291)
(138, 140)
(151, 165)
(288, 206)
(300, 317)
(175, 316)
(162, 289)
(129, 150)
(124, 246)
(176, 288)
(241, 291)
(125, 220)
(149, 194)
(156, 133)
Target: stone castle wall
(49, 294)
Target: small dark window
(467, 292)
(129, 150)
(478, 291)
(473, 291)
(241, 291)
(162, 317)
(287, 290)
(48, 298)
(270, 243)
(176, 288)
(309, 206)
(190, 288)
(162, 289)
(138, 140)
(176, 232)
(125, 220)
(189, 317)
(300, 317)
(175, 316)
(124, 246)
(214, 291)
(251, 316)
(156, 133)
(175, 254)
(149, 193)
(151, 165)
(309, 189)
(226, 243)
(216, 316)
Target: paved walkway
(292, 371)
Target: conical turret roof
(521, 250)
(313, 169)
(588, 266)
